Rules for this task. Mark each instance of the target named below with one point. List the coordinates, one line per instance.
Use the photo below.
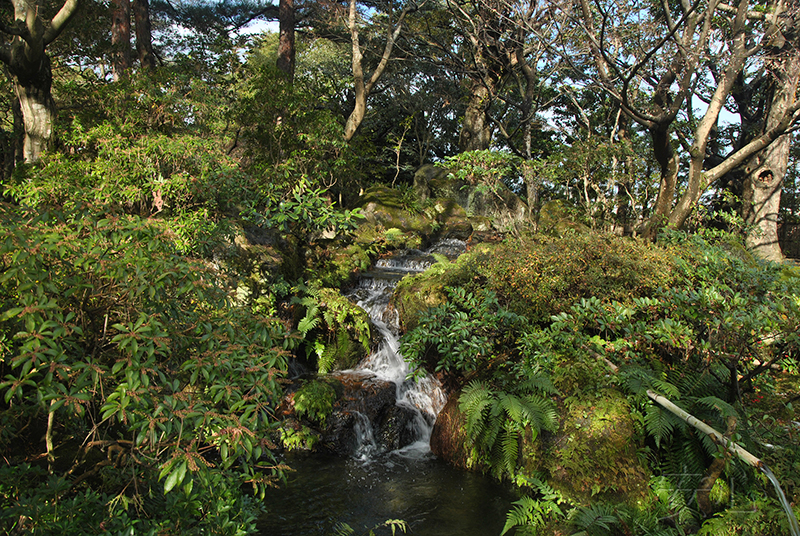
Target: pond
(433, 498)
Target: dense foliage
(152, 393)
(176, 230)
(709, 338)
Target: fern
(594, 519)
(667, 389)
(658, 423)
(441, 259)
(672, 500)
(474, 400)
(540, 383)
(541, 413)
(508, 450)
(531, 513)
(495, 422)
(712, 402)
(310, 320)
(328, 320)
(326, 358)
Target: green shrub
(336, 332)
(129, 360)
(543, 276)
(468, 333)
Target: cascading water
(374, 484)
(424, 396)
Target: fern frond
(509, 449)
(538, 383)
(513, 408)
(710, 446)
(308, 322)
(475, 399)
(343, 529)
(593, 517)
(526, 513)
(542, 414)
(441, 259)
(491, 430)
(657, 423)
(395, 524)
(326, 359)
(712, 402)
(667, 389)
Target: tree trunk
(669, 163)
(286, 50)
(361, 86)
(121, 37)
(476, 132)
(144, 35)
(765, 172)
(29, 65)
(38, 110)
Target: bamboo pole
(703, 427)
(745, 456)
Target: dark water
(431, 497)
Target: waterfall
(424, 396)
(794, 528)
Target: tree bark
(766, 170)
(38, 110)
(362, 87)
(29, 66)
(669, 163)
(476, 132)
(286, 48)
(121, 37)
(144, 34)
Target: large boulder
(594, 450)
(448, 438)
(363, 403)
(495, 205)
(387, 208)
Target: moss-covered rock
(559, 219)
(384, 206)
(594, 450)
(415, 294)
(448, 437)
(496, 203)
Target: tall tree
(483, 26)
(766, 170)
(29, 64)
(653, 68)
(362, 86)
(286, 48)
(144, 34)
(121, 37)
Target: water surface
(433, 498)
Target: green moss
(415, 294)
(542, 276)
(594, 451)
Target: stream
(410, 483)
